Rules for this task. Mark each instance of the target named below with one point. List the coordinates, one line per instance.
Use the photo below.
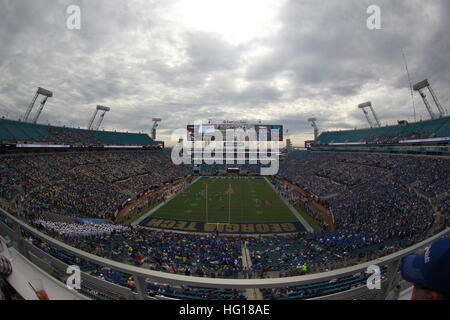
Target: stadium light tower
(155, 125)
(91, 125)
(38, 113)
(367, 116)
(39, 91)
(314, 125)
(363, 107)
(426, 84)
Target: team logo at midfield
(266, 203)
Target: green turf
(250, 201)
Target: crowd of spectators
(214, 255)
(92, 185)
(79, 230)
(380, 203)
(382, 210)
(301, 201)
(134, 173)
(325, 174)
(200, 255)
(79, 196)
(380, 197)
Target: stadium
(141, 227)
(95, 214)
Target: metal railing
(14, 228)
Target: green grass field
(227, 201)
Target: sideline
(153, 210)
(293, 210)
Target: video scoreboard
(308, 144)
(261, 131)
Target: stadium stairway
(252, 293)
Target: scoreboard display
(207, 131)
(308, 144)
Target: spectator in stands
(374, 198)
(429, 272)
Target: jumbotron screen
(206, 131)
(308, 144)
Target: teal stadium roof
(438, 128)
(14, 131)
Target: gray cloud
(139, 59)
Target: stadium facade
(71, 197)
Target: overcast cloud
(280, 61)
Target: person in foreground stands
(429, 272)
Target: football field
(219, 200)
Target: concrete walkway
(252, 293)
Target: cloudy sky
(279, 61)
